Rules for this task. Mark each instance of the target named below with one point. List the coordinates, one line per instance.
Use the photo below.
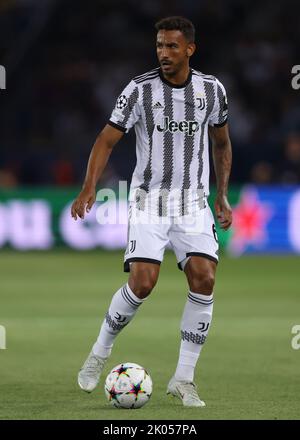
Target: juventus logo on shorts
(201, 105)
(132, 245)
(215, 233)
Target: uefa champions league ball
(128, 386)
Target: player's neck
(180, 79)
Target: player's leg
(147, 240)
(144, 253)
(195, 324)
(197, 256)
(197, 314)
(123, 307)
(125, 303)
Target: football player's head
(175, 43)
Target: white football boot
(186, 391)
(89, 374)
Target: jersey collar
(175, 86)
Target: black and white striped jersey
(172, 145)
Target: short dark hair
(177, 23)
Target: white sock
(195, 323)
(122, 309)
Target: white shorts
(149, 235)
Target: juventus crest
(201, 103)
(132, 246)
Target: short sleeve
(126, 111)
(219, 115)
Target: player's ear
(190, 49)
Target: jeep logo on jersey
(189, 127)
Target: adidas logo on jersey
(189, 127)
(157, 105)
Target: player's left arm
(222, 157)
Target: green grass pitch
(52, 305)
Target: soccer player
(175, 110)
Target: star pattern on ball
(121, 370)
(136, 389)
(113, 394)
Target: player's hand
(83, 203)
(223, 212)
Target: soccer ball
(128, 386)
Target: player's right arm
(99, 156)
(125, 114)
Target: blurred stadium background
(66, 62)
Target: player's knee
(143, 284)
(202, 282)
(143, 288)
(142, 279)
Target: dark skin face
(173, 53)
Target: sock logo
(119, 317)
(203, 326)
(111, 323)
